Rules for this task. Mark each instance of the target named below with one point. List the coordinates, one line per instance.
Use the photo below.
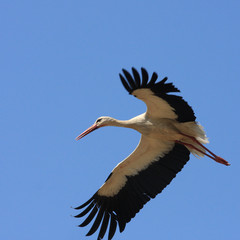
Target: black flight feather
(104, 225)
(97, 221)
(144, 77)
(113, 226)
(136, 77)
(90, 217)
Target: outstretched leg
(214, 157)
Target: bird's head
(100, 122)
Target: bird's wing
(160, 104)
(132, 183)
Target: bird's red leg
(214, 156)
(191, 146)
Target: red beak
(90, 129)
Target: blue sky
(59, 71)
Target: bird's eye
(98, 120)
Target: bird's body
(169, 133)
(158, 137)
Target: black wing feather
(83, 213)
(129, 78)
(144, 77)
(153, 79)
(160, 89)
(113, 226)
(104, 225)
(138, 190)
(85, 204)
(136, 77)
(124, 82)
(90, 217)
(97, 221)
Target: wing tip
(104, 217)
(84, 204)
(133, 81)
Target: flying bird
(169, 133)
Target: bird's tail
(195, 130)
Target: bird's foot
(221, 160)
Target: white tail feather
(195, 130)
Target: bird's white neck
(133, 123)
(120, 123)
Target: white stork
(169, 133)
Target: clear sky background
(59, 66)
